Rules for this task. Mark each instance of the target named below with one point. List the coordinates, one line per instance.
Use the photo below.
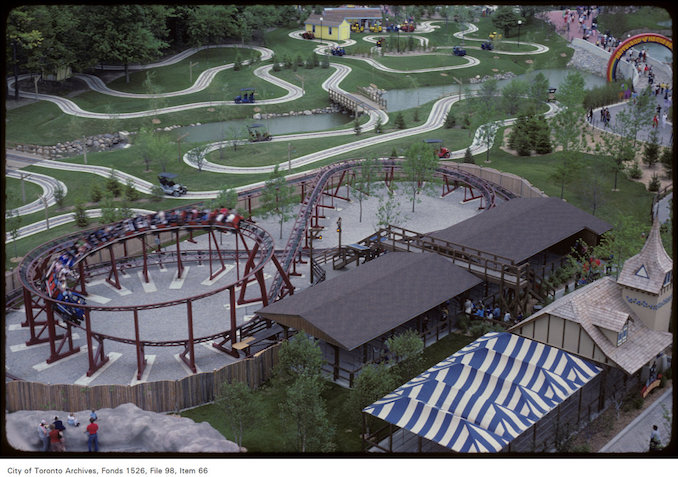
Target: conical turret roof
(647, 271)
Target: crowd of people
(62, 268)
(53, 436)
(480, 311)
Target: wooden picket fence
(156, 396)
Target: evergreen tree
(468, 157)
(651, 149)
(80, 213)
(400, 121)
(278, 198)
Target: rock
(123, 429)
(256, 116)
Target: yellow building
(335, 23)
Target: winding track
(435, 120)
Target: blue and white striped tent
(486, 394)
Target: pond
(400, 99)
(225, 130)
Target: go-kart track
(160, 307)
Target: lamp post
(314, 233)
(520, 22)
(321, 30)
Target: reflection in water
(226, 130)
(400, 99)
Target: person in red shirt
(92, 438)
(56, 439)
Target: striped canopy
(486, 394)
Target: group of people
(62, 268)
(478, 310)
(52, 436)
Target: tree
(637, 115)
(666, 159)
(513, 96)
(237, 402)
(95, 193)
(622, 242)
(373, 382)
(80, 214)
(277, 198)
(651, 149)
(13, 221)
(300, 355)
(569, 130)
(126, 34)
(227, 198)
(504, 18)
(303, 405)
(357, 128)
(399, 121)
(112, 185)
(388, 211)
(419, 169)
(407, 349)
(131, 193)
(539, 87)
(468, 157)
(198, 155)
(361, 183)
(59, 195)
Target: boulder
(123, 429)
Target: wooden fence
(156, 396)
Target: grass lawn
(13, 192)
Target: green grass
(13, 192)
(270, 435)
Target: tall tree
(505, 18)
(237, 402)
(361, 182)
(278, 198)
(569, 130)
(419, 169)
(23, 38)
(127, 33)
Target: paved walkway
(636, 436)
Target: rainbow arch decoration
(630, 43)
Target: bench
(246, 343)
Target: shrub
(654, 184)
(400, 121)
(468, 157)
(95, 193)
(634, 171)
(81, 219)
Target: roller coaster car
(494, 36)
(168, 185)
(69, 312)
(487, 45)
(338, 51)
(308, 35)
(357, 28)
(256, 135)
(458, 51)
(375, 28)
(246, 96)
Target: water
(400, 99)
(659, 52)
(225, 130)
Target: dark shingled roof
(520, 228)
(372, 299)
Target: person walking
(92, 437)
(43, 434)
(655, 439)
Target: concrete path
(636, 436)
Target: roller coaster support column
(180, 266)
(288, 285)
(248, 268)
(143, 248)
(234, 327)
(211, 237)
(446, 187)
(141, 359)
(114, 270)
(190, 361)
(31, 321)
(54, 351)
(97, 360)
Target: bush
(654, 184)
(634, 171)
(81, 219)
(95, 193)
(157, 193)
(468, 157)
(399, 121)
